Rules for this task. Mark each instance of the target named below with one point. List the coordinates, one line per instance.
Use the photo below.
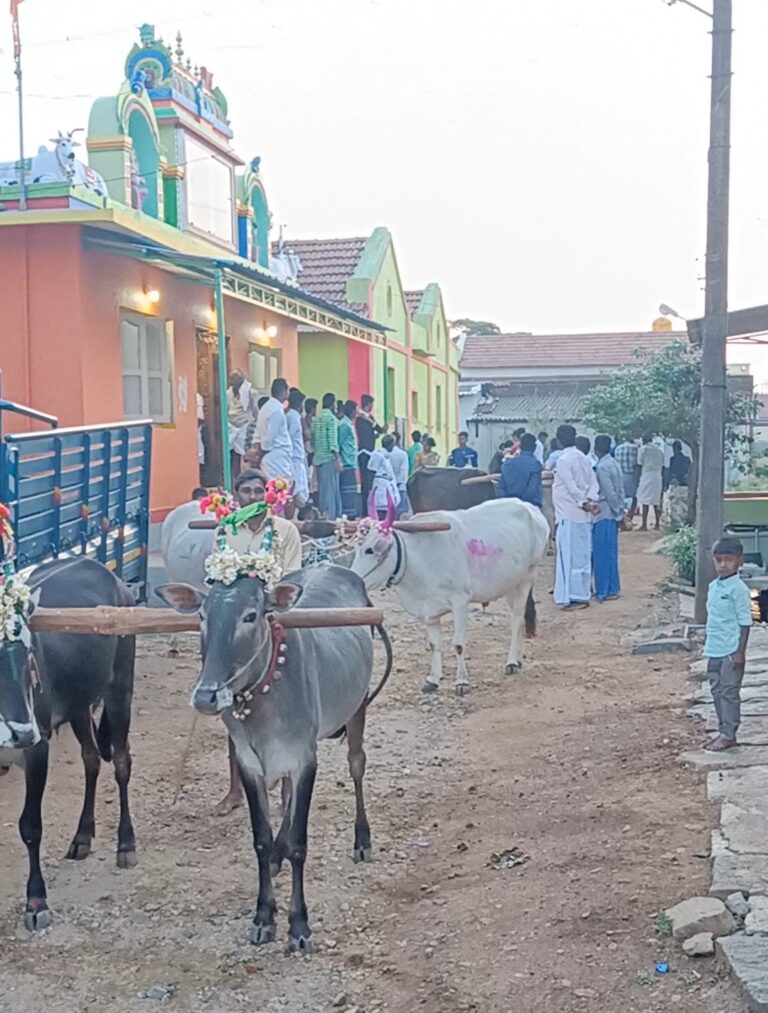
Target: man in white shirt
(240, 412)
(399, 461)
(384, 484)
(574, 495)
(272, 449)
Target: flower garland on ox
(15, 593)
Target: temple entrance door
(212, 469)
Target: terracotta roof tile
(413, 299)
(326, 264)
(523, 351)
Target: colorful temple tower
(163, 145)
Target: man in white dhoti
(298, 452)
(272, 449)
(650, 487)
(240, 412)
(384, 483)
(574, 496)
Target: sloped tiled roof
(500, 351)
(531, 406)
(413, 299)
(326, 265)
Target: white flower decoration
(15, 607)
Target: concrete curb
(738, 781)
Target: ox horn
(480, 479)
(389, 520)
(373, 513)
(417, 527)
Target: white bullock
(185, 549)
(491, 551)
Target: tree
(469, 326)
(662, 395)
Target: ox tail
(388, 648)
(530, 617)
(104, 737)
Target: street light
(709, 524)
(688, 3)
(667, 311)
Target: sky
(543, 160)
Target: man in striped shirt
(625, 455)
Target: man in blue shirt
(521, 475)
(463, 455)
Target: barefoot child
(729, 617)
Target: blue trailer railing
(81, 491)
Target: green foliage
(663, 924)
(681, 548)
(470, 326)
(660, 395)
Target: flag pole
(19, 88)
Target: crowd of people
(337, 455)
(597, 491)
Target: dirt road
(573, 762)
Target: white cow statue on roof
(440, 562)
(55, 166)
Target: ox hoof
(362, 854)
(127, 860)
(261, 934)
(513, 669)
(301, 944)
(39, 916)
(461, 688)
(79, 849)
(430, 687)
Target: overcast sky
(544, 160)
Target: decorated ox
(444, 489)
(50, 679)
(278, 692)
(488, 552)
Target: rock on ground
(700, 945)
(756, 922)
(700, 914)
(737, 904)
(748, 960)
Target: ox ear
(34, 599)
(182, 597)
(284, 596)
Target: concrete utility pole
(709, 512)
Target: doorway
(212, 468)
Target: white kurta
(298, 455)
(237, 432)
(383, 480)
(272, 436)
(651, 461)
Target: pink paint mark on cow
(478, 549)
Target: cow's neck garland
(15, 592)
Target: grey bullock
(488, 552)
(279, 692)
(58, 678)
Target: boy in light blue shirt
(729, 618)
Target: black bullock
(58, 679)
(441, 489)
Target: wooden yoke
(124, 622)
